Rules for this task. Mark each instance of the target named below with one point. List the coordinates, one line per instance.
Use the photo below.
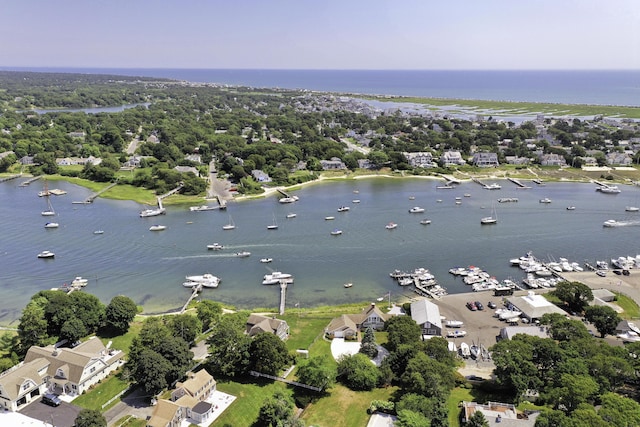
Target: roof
(535, 306)
(509, 332)
(163, 413)
(341, 323)
(500, 414)
(202, 407)
(372, 309)
(423, 311)
(196, 382)
(258, 323)
(11, 380)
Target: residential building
(452, 158)
(508, 332)
(333, 164)
(500, 414)
(427, 315)
(257, 324)
(621, 159)
(552, 160)
(187, 169)
(485, 160)
(260, 175)
(349, 324)
(420, 159)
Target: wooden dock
(283, 296)
(196, 290)
(9, 178)
(94, 196)
(518, 183)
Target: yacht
(51, 225)
(611, 223)
(230, 226)
(215, 247)
(343, 208)
(348, 285)
(152, 212)
(488, 220)
(608, 189)
(391, 226)
(207, 280)
(276, 277)
(632, 209)
(291, 215)
(336, 232)
(425, 221)
(493, 186)
(157, 227)
(266, 260)
(243, 254)
(46, 254)
(202, 208)
(288, 199)
(416, 209)
(545, 200)
(79, 282)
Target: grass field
(249, 398)
(630, 307)
(102, 393)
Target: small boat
(452, 347)
(276, 277)
(355, 201)
(632, 209)
(46, 254)
(467, 195)
(243, 254)
(157, 227)
(329, 218)
(51, 225)
(288, 199)
(546, 200)
(348, 285)
(79, 282)
(336, 232)
(454, 323)
(291, 215)
(215, 247)
(207, 280)
(152, 212)
(380, 299)
(629, 336)
(493, 219)
(464, 350)
(266, 260)
(343, 209)
(416, 209)
(456, 334)
(391, 226)
(202, 208)
(356, 191)
(98, 232)
(274, 225)
(230, 226)
(571, 208)
(611, 223)
(425, 221)
(608, 189)
(439, 201)
(412, 197)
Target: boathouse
(427, 315)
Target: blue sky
(322, 34)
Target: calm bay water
(150, 266)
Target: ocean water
(150, 266)
(566, 87)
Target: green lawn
(102, 393)
(630, 307)
(123, 342)
(249, 398)
(305, 328)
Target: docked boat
(266, 260)
(456, 334)
(546, 200)
(215, 247)
(425, 221)
(452, 347)
(291, 215)
(51, 225)
(329, 218)
(276, 277)
(343, 208)
(243, 254)
(288, 199)
(391, 226)
(493, 186)
(348, 285)
(454, 324)
(608, 189)
(157, 227)
(202, 208)
(206, 280)
(46, 254)
(152, 212)
(336, 232)
(79, 282)
(416, 209)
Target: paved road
(135, 404)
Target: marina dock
(29, 181)
(283, 296)
(196, 290)
(518, 183)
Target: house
(333, 164)
(74, 370)
(260, 175)
(188, 400)
(187, 169)
(515, 160)
(486, 160)
(452, 158)
(534, 306)
(257, 324)
(499, 414)
(62, 370)
(427, 315)
(419, 159)
(195, 158)
(552, 160)
(622, 159)
(348, 325)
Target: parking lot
(59, 416)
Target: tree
(368, 345)
(572, 391)
(402, 330)
(72, 330)
(88, 308)
(408, 418)
(228, 347)
(185, 326)
(619, 411)
(32, 328)
(119, 313)
(317, 372)
(604, 318)
(278, 411)
(563, 329)
(357, 372)
(90, 418)
(575, 295)
(267, 353)
(477, 420)
(209, 312)
(148, 369)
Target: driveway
(59, 416)
(339, 347)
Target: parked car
(479, 305)
(492, 304)
(471, 306)
(51, 399)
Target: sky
(322, 34)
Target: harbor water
(150, 267)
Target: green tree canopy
(90, 418)
(267, 353)
(317, 372)
(209, 312)
(575, 295)
(357, 372)
(402, 330)
(119, 313)
(604, 318)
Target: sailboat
(490, 219)
(49, 211)
(230, 225)
(273, 226)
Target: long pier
(170, 193)
(9, 178)
(283, 295)
(94, 196)
(196, 291)
(518, 183)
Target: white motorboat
(464, 350)
(79, 282)
(215, 247)
(46, 254)
(454, 323)
(276, 277)
(202, 208)
(509, 314)
(51, 225)
(207, 280)
(288, 199)
(348, 285)
(343, 208)
(546, 200)
(355, 201)
(391, 226)
(336, 232)
(416, 209)
(629, 336)
(98, 232)
(456, 334)
(152, 212)
(493, 186)
(243, 254)
(608, 189)
(425, 221)
(571, 208)
(329, 218)
(291, 215)
(632, 209)
(157, 227)
(266, 260)
(611, 223)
